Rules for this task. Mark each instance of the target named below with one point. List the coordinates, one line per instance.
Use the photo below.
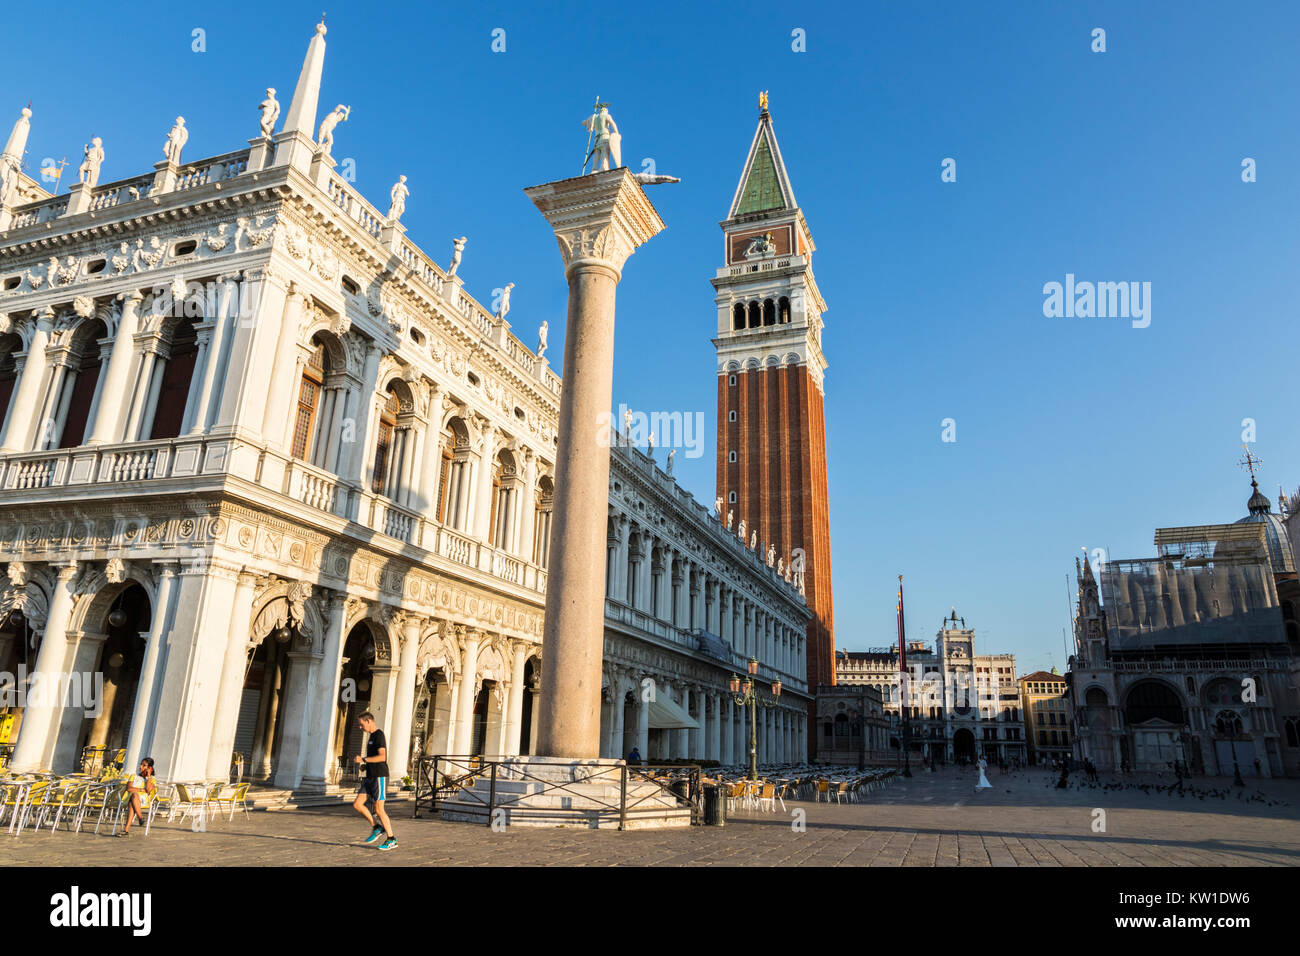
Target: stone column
(196, 646)
(483, 486)
(279, 389)
(216, 357)
(41, 717)
(399, 737)
(515, 718)
(642, 724)
(71, 715)
(146, 691)
(467, 694)
(616, 722)
(320, 761)
(21, 408)
(298, 679)
(233, 670)
(599, 220)
(108, 415)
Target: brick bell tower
(771, 371)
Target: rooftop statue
(88, 171)
(326, 138)
(270, 108)
(176, 139)
(542, 331)
(459, 245)
(398, 195)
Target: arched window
(738, 316)
(453, 490)
(769, 312)
(384, 442)
(783, 310)
(173, 393)
(542, 528)
(1292, 734)
(1227, 723)
(309, 398)
(755, 316)
(506, 488)
(81, 383)
(10, 345)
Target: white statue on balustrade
(325, 139)
(177, 136)
(771, 555)
(88, 171)
(270, 108)
(672, 453)
(459, 247)
(730, 514)
(741, 531)
(542, 332)
(504, 310)
(398, 196)
(717, 506)
(753, 540)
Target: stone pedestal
(322, 165)
(545, 792)
(259, 152)
(78, 199)
(391, 235)
(165, 178)
(599, 220)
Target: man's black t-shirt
(374, 768)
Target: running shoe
(389, 844)
(375, 834)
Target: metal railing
(441, 778)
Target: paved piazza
(932, 820)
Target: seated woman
(142, 789)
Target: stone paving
(931, 820)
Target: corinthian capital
(598, 219)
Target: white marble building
(264, 464)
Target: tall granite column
(599, 220)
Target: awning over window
(666, 715)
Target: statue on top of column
(504, 310)
(542, 331)
(753, 540)
(741, 530)
(270, 108)
(607, 143)
(730, 515)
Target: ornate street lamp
(744, 695)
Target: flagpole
(904, 696)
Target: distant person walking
(634, 756)
(375, 785)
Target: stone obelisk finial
(599, 221)
(294, 145)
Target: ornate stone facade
(265, 465)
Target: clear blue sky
(1117, 166)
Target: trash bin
(682, 788)
(715, 806)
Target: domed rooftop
(1279, 545)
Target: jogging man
(375, 785)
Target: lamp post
(746, 695)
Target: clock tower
(771, 376)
